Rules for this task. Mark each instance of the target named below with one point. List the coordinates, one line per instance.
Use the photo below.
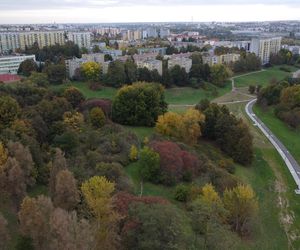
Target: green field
(263, 78)
(289, 137)
(188, 96)
(183, 95)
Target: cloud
(55, 4)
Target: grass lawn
(182, 95)
(187, 95)
(105, 92)
(289, 137)
(268, 233)
(149, 189)
(263, 78)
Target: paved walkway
(289, 160)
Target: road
(289, 160)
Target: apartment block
(11, 41)
(183, 62)
(11, 64)
(263, 48)
(151, 65)
(95, 57)
(82, 39)
(160, 51)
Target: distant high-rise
(263, 48)
(11, 41)
(82, 39)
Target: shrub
(175, 164)
(97, 117)
(104, 104)
(182, 193)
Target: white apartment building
(95, 57)
(222, 59)
(183, 62)
(73, 65)
(11, 41)
(11, 64)
(82, 39)
(151, 65)
(263, 48)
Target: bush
(175, 164)
(182, 193)
(104, 104)
(97, 117)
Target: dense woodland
(76, 152)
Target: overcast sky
(80, 11)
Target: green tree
(160, 227)
(56, 73)
(39, 79)
(27, 67)
(116, 76)
(139, 104)
(149, 165)
(4, 236)
(130, 71)
(179, 76)
(9, 111)
(219, 74)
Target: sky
(106, 11)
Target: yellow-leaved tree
(97, 192)
(242, 204)
(91, 71)
(209, 195)
(185, 127)
(133, 153)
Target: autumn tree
(73, 120)
(66, 194)
(59, 163)
(3, 154)
(34, 220)
(91, 71)
(24, 158)
(68, 232)
(97, 192)
(53, 228)
(242, 204)
(9, 111)
(74, 96)
(133, 155)
(97, 117)
(185, 127)
(209, 217)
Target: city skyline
(109, 11)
